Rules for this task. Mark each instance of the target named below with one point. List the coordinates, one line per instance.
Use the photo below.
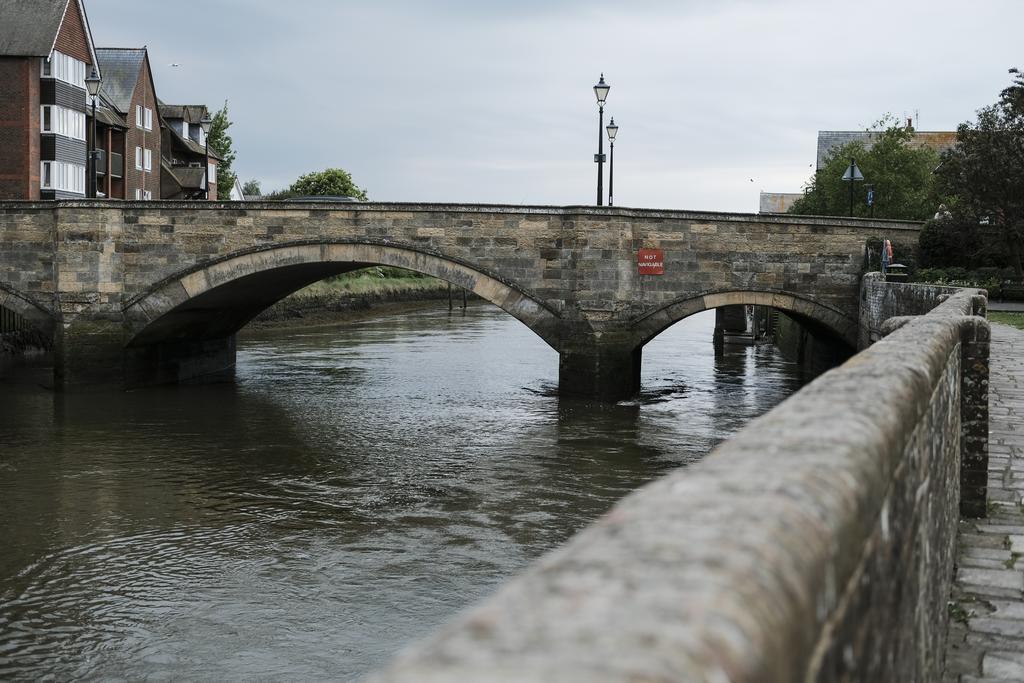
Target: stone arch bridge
(139, 293)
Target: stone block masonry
(167, 277)
(815, 545)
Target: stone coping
(569, 210)
(739, 568)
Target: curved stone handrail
(817, 544)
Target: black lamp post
(92, 84)
(852, 175)
(601, 91)
(612, 132)
(205, 123)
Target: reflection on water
(350, 491)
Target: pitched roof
(829, 140)
(187, 143)
(193, 113)
(120, 67)
(30, 27)
(188, 178)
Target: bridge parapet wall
(817, 544)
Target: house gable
(72, 38)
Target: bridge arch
(216, 298)
(839, 324)
(32, 311)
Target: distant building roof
(828, 140)
(778, 202)
(120, 67)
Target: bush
(989, 278)
(946, 242)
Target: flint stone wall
(817, 545)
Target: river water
(350, 491)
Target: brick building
(184, 153)
(129, 93)
(46, 50)
(46, 115)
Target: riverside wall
(815, 545)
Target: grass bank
(357, 295)
(1007, 318)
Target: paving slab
(986, 633)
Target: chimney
(910, 123)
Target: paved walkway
(986, 632)
(1014, 306)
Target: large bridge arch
(216, 298)
(25, 306)
(839, 324)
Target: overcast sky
(476, 101)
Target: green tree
(900, 173)
(983, 174)
(221, 143)
(329, 182)
(251, 188)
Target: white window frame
(60, 175)
(63, 68)
(211, 172)
(147, 155)
(138, 158)
(147, 195)
(138, 116)
(63, 121)
(147, 118)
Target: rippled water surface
(352, 489)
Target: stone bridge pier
(138, 293)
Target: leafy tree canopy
(326, 183)
(251, 188)
(900, 173)
(221, 143)
(982, 176)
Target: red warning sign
(650, 262)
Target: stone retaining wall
(881, 300)
(816, 545)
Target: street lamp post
(612, 132)
(92, 84)
(206, 123)
(601, 91)
(852, 176)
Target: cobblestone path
(986, 631)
